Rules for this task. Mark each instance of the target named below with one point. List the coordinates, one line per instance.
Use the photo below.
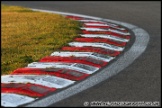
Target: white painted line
(105, 36)
(96, 44)
(97, 56)
(14, 100)
(102, 30)
(45, 80)
(74, 66)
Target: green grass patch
(27, 36)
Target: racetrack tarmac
(140, 81)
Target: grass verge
(27, 36)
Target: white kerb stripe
(107, 24)
(97, 56)
(96, 21)
(45, 80)
(13, 100)
(115, 38)
(95, 44)
(119, 32)
(96, 24)
(102, 30)
(74, 66)
(91, 20)
(99, 24)
(93, 29)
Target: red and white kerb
(99, 43)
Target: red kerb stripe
(63, 73)
(70, 59)
(32, 90)
(92, 49)
(108, 41)
(105, 32)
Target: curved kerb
(138, 47)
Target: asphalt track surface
(141, 80)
